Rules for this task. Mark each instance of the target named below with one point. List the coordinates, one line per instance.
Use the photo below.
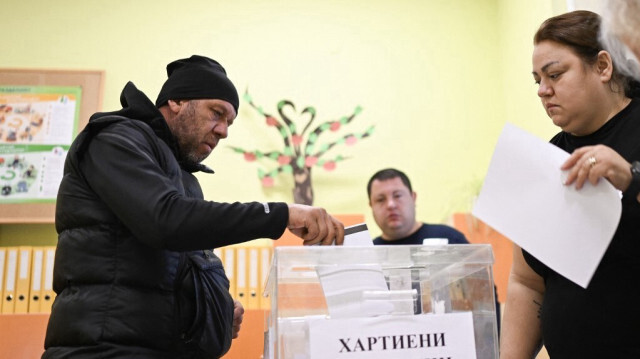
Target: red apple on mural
(284, 160)
(351, 140)
(329, 165)
(249, 156)
(335, 126)
(271, 121)
(310, 161)
(267, 181)
(296, 139)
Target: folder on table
(35, 294)
(23, 279)
(229, 256)
(253, 277)
(265, 265)
(48, 295)
(9, 290)
(241, 275)
(3, 253)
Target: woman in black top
(584, 95)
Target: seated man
(393, 203)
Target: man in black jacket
(134, 273)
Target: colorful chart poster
(37, 126)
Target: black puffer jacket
(133, 275)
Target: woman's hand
(592, 162)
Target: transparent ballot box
(417, 301)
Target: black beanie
(197, 77)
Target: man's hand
(238, 313)
(314, 225)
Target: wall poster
(37, 125)
(41, 112)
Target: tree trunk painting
(303, 191)
(302, 150)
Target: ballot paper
(345, 288)
(357, 235)
(361, 290)
(524, 198)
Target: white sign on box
(392, 337)
(524, 197)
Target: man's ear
(175, 106)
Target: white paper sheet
(523, 197)
(345, 286)
(357, 235)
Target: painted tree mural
(302, 149)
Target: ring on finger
(592, 161)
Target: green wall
(437, 78)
